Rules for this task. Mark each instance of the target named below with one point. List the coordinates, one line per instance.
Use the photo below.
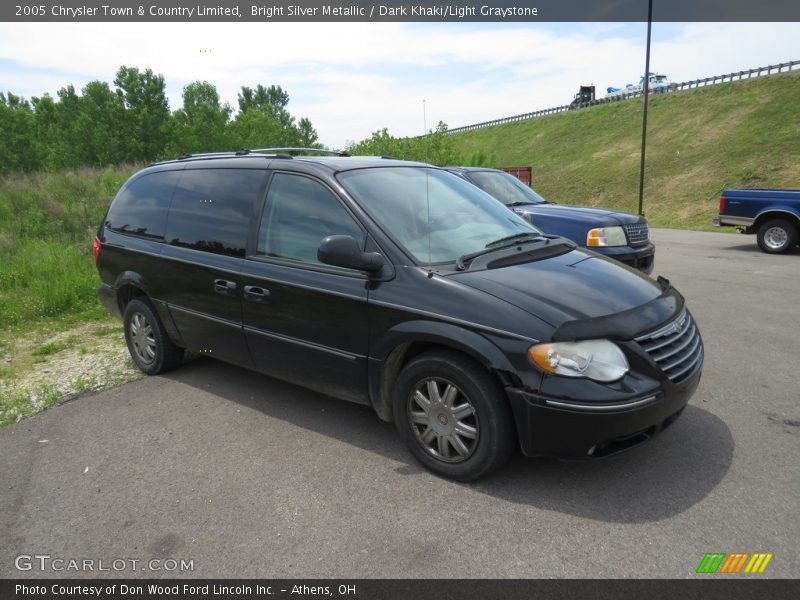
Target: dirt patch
(41, 367)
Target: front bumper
(550, 427)
(640, 257)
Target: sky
(351, 79)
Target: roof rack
(186, 155)
(297, 150)
(243, 152)
(276, 152)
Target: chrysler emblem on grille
(676, 325)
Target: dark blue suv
(618, 235)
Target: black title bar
(711, 588)
(109, 11)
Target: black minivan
(401, 286)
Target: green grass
(740, 134)
(104, 331)
(50, 348)
(21, 404)
(699, 142)
(47, 226)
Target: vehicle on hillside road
(657, 84)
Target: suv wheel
(777, 236)
(452, 416)
(150, 347)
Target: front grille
(638, 233)
(676, 348)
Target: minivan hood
(591, 217)
(577, 285)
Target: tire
(452, 415)
(148, 343)
(777, 236)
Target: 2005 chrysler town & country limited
(401, 286)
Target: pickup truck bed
(773, 215)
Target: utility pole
(646, 92)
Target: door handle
(255, 293)
(222, 286)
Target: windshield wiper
(510, 240)
(514, 237)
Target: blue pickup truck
(773, 215)
(622, 236)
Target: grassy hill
(47, 225)
(740, 134)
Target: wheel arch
(130, 285)
(775, 213)
(408, 340)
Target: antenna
(427, 190)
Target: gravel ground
(42, 367)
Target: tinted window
(212, 209)
(141, 206)
(298, 215)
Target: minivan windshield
(506, 188)
(462, 220)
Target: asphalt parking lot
(251, 477)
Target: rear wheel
(452, 416)
(149, 345)
(777, 236)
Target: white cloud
(352, 79)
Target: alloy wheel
(444, 420)
(144, 343)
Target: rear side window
(141, 207)
(299, 213)
(212, 209)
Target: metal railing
(675, 87)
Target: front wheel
(148, 342)
(777, 236)
(453, 416)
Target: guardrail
(675, 87)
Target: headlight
(606, 236)
(599, 360)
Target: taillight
(98, 247)
(723, 204)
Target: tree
(263, 120)
(273, 98)
(200, 126)
(131, 122)
(46, 130)
(308, 135)
(436, 147)
(101, 113)
(259, 129)
(146, 112)
(17, 135)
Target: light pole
(646, 92)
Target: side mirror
(343, 251)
